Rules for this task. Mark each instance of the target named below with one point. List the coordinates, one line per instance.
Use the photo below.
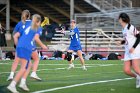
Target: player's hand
(62, 31)
(118, 43)
(131, 50)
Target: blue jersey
(26, 40)
(75, 41)
(39, 32)
(21, 26)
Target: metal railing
(105, 5)
(106, 20)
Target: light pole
(71, 10)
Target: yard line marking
(82, 84)
(64, 68)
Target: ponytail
(129, 25)
(25, 15)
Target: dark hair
(73, 21)
(125, 18)
(25, 15)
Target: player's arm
(16, 37)
(16, 34)
(137, 35)
(67, 34)
(16, 29)
(37, 39)
(137, 41)
(121, 42)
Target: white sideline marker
(82, 84)
(66, 68)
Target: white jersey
(130, 39)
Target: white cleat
(10, 78)
(71, 66)
(24, 87)
(12, 89)
(84, 68)
(34, 76)
(138, 82)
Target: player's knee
(36, 59)
(23, 69)
(69, 56)
(127, 71)
(30, 64)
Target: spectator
(2, 37)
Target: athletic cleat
(34, 76)
(84, 68)
(71, 66)
(12, 89)
(10, 78)
(24, 87)
(138, 82)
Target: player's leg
(79, 53)
(24, 77)
(35, 57)
(136, 67)
(12, 86)
(69, 59)
(13, 68)
(127, 69)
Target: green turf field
(101, 77)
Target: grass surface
(55, 74)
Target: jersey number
(27, 30)
(76, 37)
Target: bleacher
(89, 15)
(93, 41)
(57, 11)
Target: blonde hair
(36, 17)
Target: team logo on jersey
(23, 26)
(32, 42)
(40, 33)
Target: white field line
(74, 67)
(103, 65)
(82, 84)
(62, 64)
(80, 64)
(52, 69)
(93, 74)
(5, 64)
